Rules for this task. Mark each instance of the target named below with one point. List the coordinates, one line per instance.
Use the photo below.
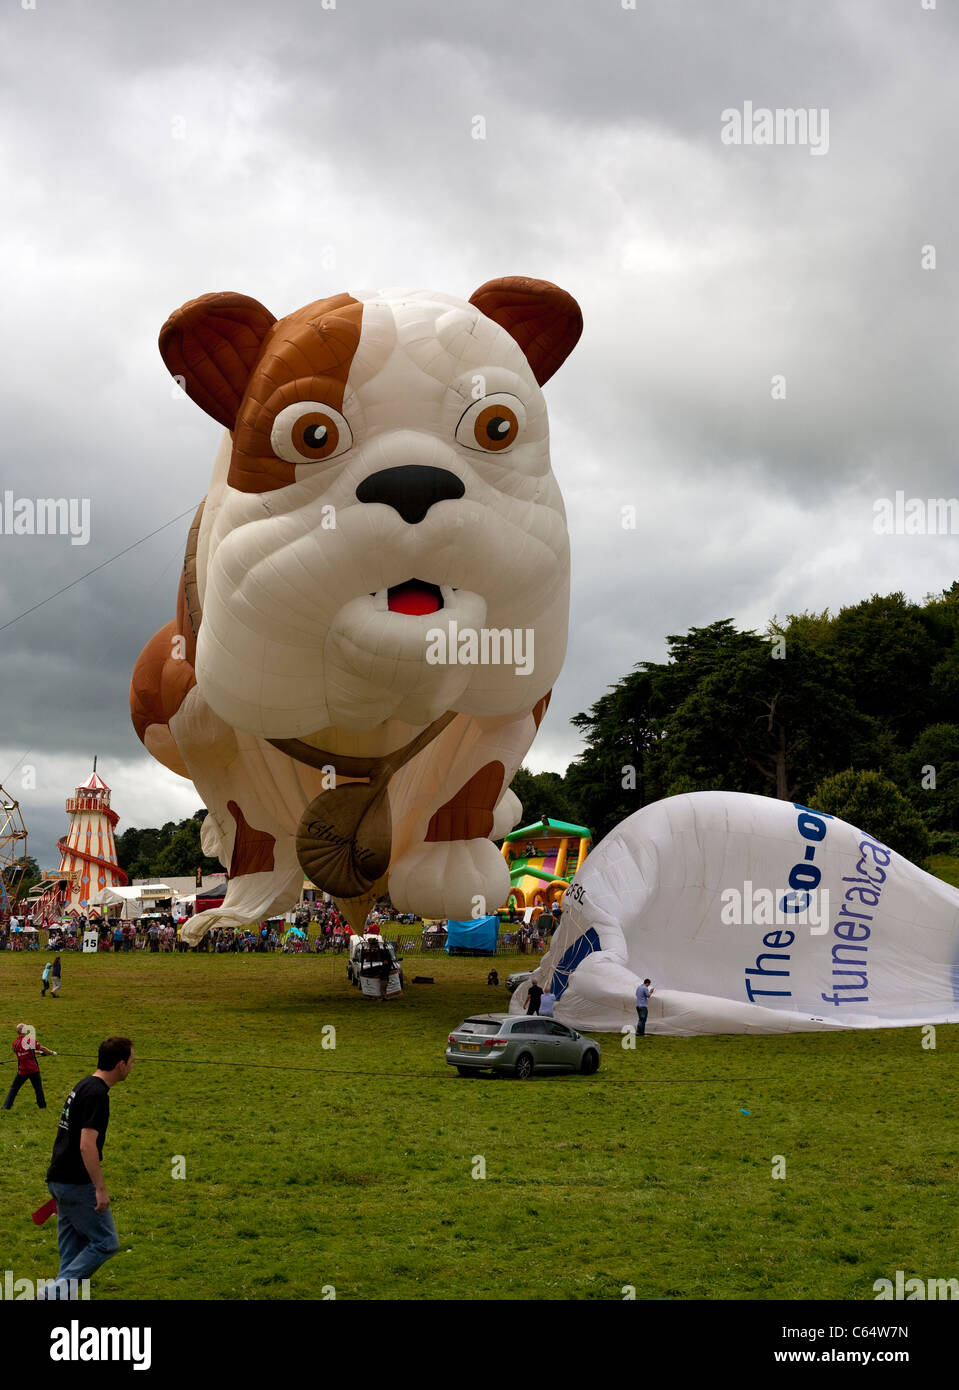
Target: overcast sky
(158, 150)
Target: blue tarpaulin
(478, 934)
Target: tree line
(173, 850)
(855, 713)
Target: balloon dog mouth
(414, 597)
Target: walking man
(26, 1047)
(86, 1234)
(55, 979)
(643, 992)
(533, 997)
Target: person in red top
(26, 1047)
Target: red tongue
(414, 598)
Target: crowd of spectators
(316, 927)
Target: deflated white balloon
(751, 914)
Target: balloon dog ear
(210, 346)
(543, 319)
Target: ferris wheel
(13, 850)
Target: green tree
(931, 776)
(885, 646)
(616, 773)
(855, 690)
(182, 853)
(874, 804)
(174, 849)
(815, 629)
(755, 723)
(543, 794)
(136, 850)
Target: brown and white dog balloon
(375, 593)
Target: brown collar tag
(345, 836)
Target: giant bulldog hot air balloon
(751, 915)
(374, 600)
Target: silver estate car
(519, 1045)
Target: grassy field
(946, 867)
(309, 1167)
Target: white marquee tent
(131, 897)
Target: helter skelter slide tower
(90, 847)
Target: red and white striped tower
(90, 846)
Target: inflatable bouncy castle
(542, 859)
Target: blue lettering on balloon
(574, 955)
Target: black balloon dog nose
(411, 489)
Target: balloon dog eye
(309, 432)
(492, 424)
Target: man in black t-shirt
(85, 1231)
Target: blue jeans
(641, 1015)
(87, 1238)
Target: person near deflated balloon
(643, 993)
(533, 998)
